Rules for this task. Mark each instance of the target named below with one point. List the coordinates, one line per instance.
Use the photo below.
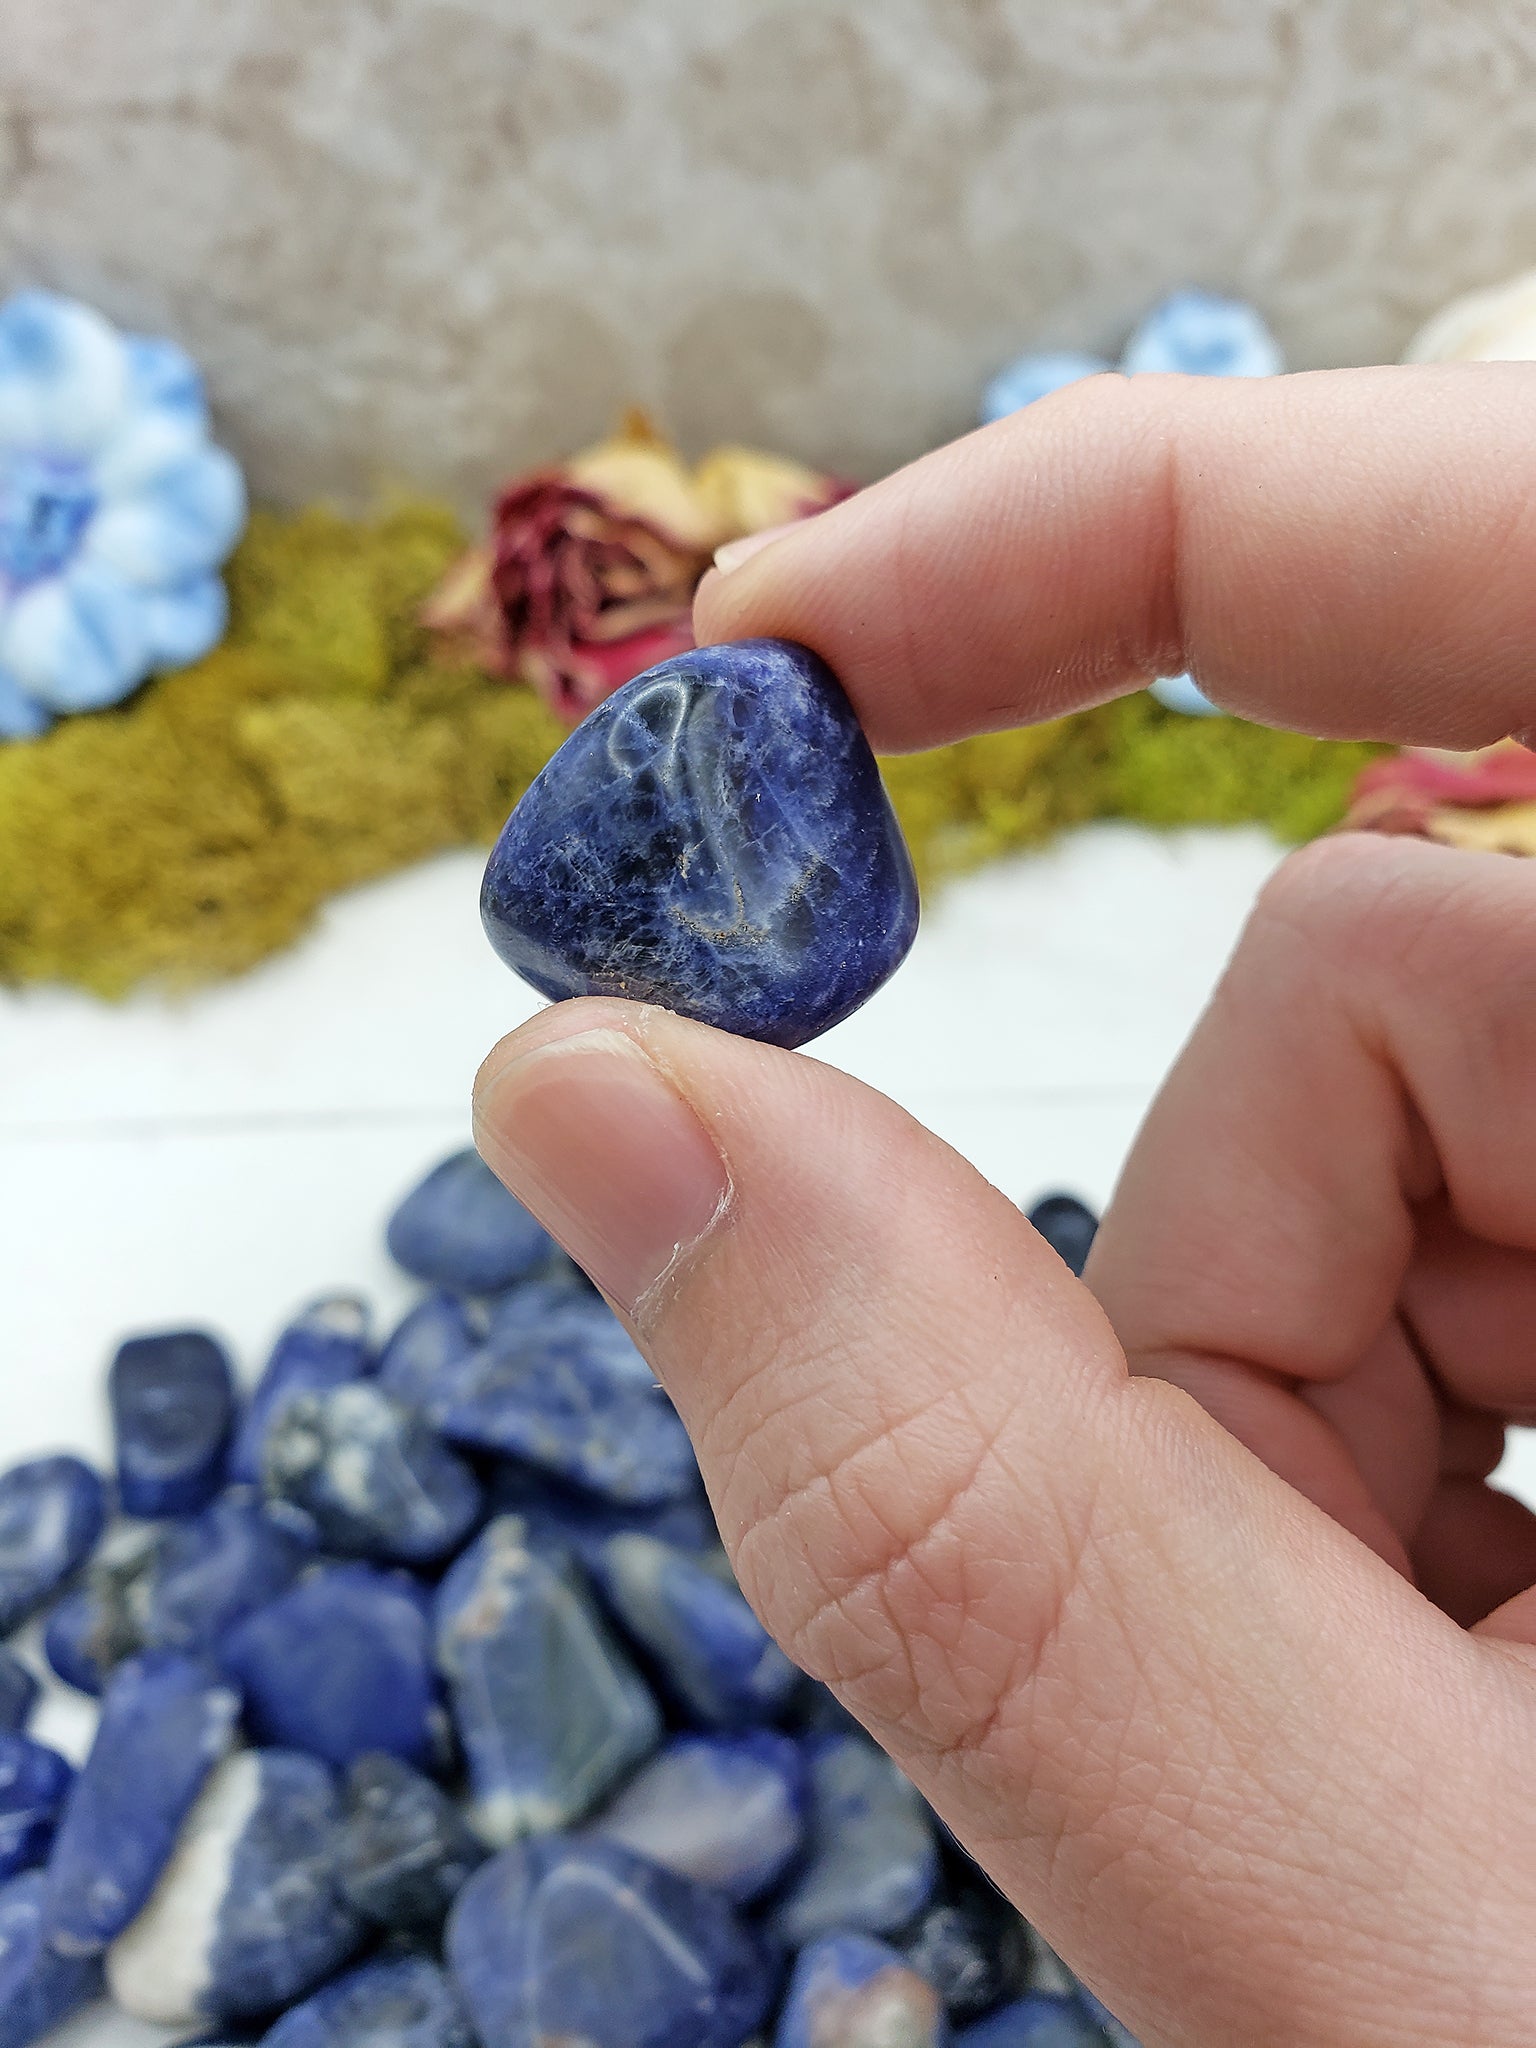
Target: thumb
(1232, 1765)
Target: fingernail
(735, 552)
(593, 1138)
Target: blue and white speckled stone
(165, 1722)
(33, 1783)
(848, 1991)
(564, 1516)
(18, 1693)
(1035, 376)
(248, 1914)
(973, 1948)
(582, 1942)
(406, 1850)
(715, 838)
(324, 1347)
(338, 1666)
(725, 1810)
(403, 2002)
(52, 1511)
(1041, 2019)
(560, 1384)
(373, 1475)
(209, 1573)
(99, 1622)
(1202, 334)
(38, 1986)
(459, 1228)
(549, 1710)
(172, 1397)
(427, 1345)
(871, 1862)
(687, 1613)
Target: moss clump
(197, 829)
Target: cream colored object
(1493, 326)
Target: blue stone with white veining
(52, 1511)
(249, 1912)
(687, 1613)
(33, 1784)
(973, 1948)
(714, 838)
(564, 1516)
(1033, 376)
(549, 1710)
(18, 1693)
(372, 1474)
(849, 1991)
(166, 1720)
(1203, 334)
(559, 1383)
(339, 1665)
(209, 1573)
(1041, 2019)
(871, 1861)
(562, 1940)
(99, 1622)
(1068, 1227)
(727, 1810)
(406, 1850)
(459, 1228)
(172, 1397)
(427, 1345)
(324, 1347)
(397, 2002)
(38, 1986)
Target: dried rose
(1486, 798)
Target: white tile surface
(221, 1159)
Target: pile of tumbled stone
(432, 1715)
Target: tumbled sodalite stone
(560, 1940)
(853, 1992)
(563, 1515)
(726, 1810)
(686, 1611)
(38, 1986)
(165, 1722)
(172, 1398)
(459, 1228)
(100, 1622)
(715, 838)
(549, 1710)
(18, 1693)
(52, 1511)
(427, 1344)
(209, 1573)
(559, 1383)
(406, 1850)
(33, 1782)
(372, 1474)
(1068, 1227)
(1035, 376)
(1202, 334)
(973, 1949)
(325, 1347)
(1114, 2032)
(871, 1862)
(398, 2002)
(249, 1911)
(338, 1666)
(1041, 2019)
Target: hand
(1179, 1593)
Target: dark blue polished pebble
(714, 838)
(18, 1693)
(33, 1782)
(249, 1914)
(172, 1398)
(38, 1986)
(406, 1850)
(460, 1229)
(559, 1940)
(849, 1990)
(338, 1666)
(52, 1511)
(1115, 2034)
(209, 1573)
(559, 1384)
(871, 1862)
(1068, 1227)
(427, 1345)
(548, 1708)
(708, 1649)
(973, 1949)
(560, 1514)
(394, 2003)
(1041, 2019)
(325, 1347)
(99, 1622)
(165, 1722)
(373, 1475)
(726, 1810)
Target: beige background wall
(438, 238)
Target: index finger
(1347, 553)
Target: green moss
(198, 828)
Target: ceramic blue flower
(116, 512)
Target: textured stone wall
(433, 239)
